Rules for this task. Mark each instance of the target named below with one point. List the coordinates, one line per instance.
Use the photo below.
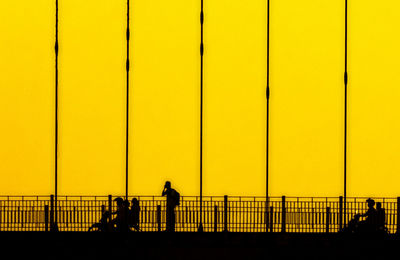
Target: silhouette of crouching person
(172, 202)
(103, 225)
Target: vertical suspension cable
(200, 229)
(56, 123)
(267, 141)
(345, 112)
(127, 101)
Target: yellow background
(307, 97)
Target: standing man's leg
(173, 221)
(168, 218)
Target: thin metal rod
(345, 111)
(127, 101)
(56, 121)
(201, 112)
(267, 139)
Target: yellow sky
(307, 93)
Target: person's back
(172, 201)
(121, 216)
(371, 216)
(172, 198)
(380, 216)
(135, 214)
(370, 223)
(124, 215)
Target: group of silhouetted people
(375, 220)
(126, 217)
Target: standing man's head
(119, 201)
(135, 202)
(167, 185)
(371, 203)
(378, 205)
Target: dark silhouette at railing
(234, 214)
(173, 200)
(374, 222)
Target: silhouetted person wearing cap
(172, 202)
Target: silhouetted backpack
(176, 196)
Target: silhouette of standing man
(172, 202)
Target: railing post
(226, 213)
(52, 213)
(109, 207)
(283, 228)
(398, 215)
(46, 218)
(267, 214)
(327, 221)
(215, 218)
(159, 218)
(340, 213)
(271, 220)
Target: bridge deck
(76, 245)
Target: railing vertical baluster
(110, 207)
(52, 212)
(158, 218)
(18, 217)
(215, 218)
(46, 218)
(340, 212)
(327, 221)
(271, 221)
(225, 213)
(398, 216)
(283, 210)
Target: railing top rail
(205, 198)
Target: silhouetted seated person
(103, 225)
(370, 223)
(120, 222)
(380, 217)
(172, 202)
(134, 215)
(353, 224)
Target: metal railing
(223, 213)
